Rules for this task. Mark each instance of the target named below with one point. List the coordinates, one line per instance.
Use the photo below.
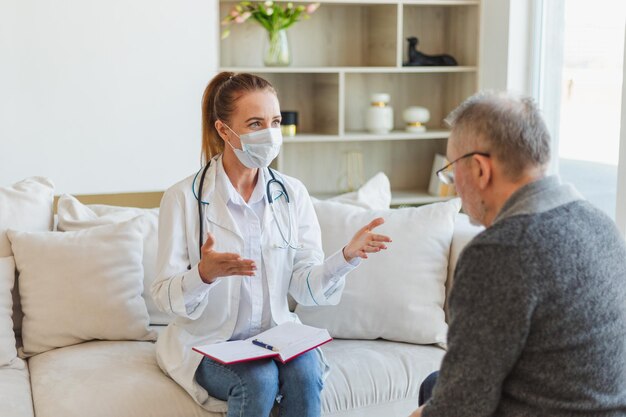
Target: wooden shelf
(397, 135)
(441, 2)
(399, 197)
(283, 70)
(416, 2)
(348, 51)
(366, 137)
(340, 2)
(351, 70)
(409, 197)
(431, 90)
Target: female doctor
(234, 239)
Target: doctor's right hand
(222, 264)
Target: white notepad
(288, 340)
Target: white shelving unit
(348, 50)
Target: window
(582, 71)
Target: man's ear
(483, 170)
(222, 130)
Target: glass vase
(277, 53)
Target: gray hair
(510, 127)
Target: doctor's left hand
(364, 241)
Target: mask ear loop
(235, 133)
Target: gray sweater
(538, 313)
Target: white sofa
(122, 378)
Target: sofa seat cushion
(107, 378)
(15, 398)
(376, 377)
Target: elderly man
(538, 308)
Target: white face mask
(258, 148)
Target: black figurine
(417, 58)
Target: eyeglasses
(446, 174)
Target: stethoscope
(280, 192)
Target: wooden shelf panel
(283, 70)
(329, 167)
(366, 137)
(439, 93)
(412, 2)
(363, 34)
(398, 197)
(352, 70)
(314, 96)
(431, 24)
(441, 2)
(398, 135)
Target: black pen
(264, 345)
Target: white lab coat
(297, 272)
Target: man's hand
(418, 412)
(364, 241)
(221, 264)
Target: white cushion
(377, 378)
(73, 215)
(105, 379)
(375, 194)
(15, 394)
(464, 232)
(26, 205)
(397, 294)
(78, 286)
(8, 353)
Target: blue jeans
(426, 389)
(252, 388)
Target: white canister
(415, 117)
(379, 118)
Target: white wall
(507, 55)
(494, 45)
(103, 96)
